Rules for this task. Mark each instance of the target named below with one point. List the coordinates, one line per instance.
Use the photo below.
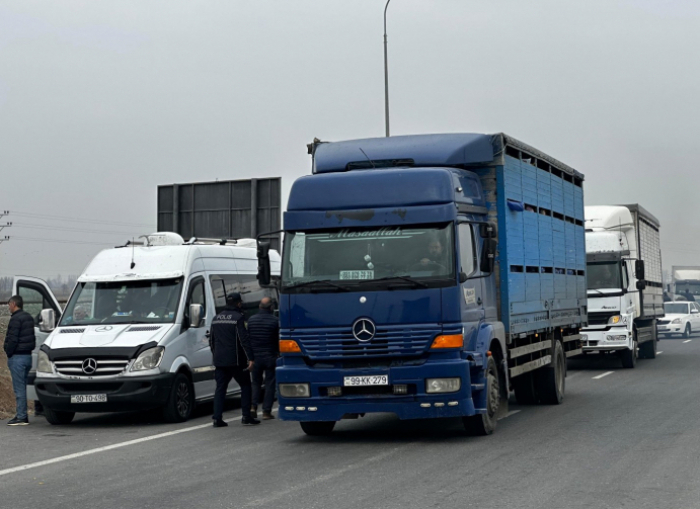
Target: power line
(69, 229)
(64, 241)
(76, 219)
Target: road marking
(659, 353)
(687, 341)
(512, 412)
(97, 450)
(604, 374)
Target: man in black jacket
(19, 343)
(233, 358)
(264, 330)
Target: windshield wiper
(320, 282)
(409, 279)
(595, 290)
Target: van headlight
(148, 359)
(43, 364)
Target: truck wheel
(550, 380)
(629, 357)
(485, 424)
(524, 388)
(648, 349)
(687, 332)
(58, 418)
(317, 428)
(180, 401)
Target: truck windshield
(381, 257)
(604, 275)
(123, 302)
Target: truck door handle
(478, 301)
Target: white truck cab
(134, 333)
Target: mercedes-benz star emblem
(104, 328)
(89, 366)
(363, 329)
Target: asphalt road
(628, 439)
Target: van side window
(245, 284)
(467, 252)
(195, 295)
(35, 300)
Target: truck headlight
(294, 390)
(614, 320)
(441, 385)
(677, 320)
(43, 364)
(149, 359)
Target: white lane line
(659, 353)
(512, 412)
(687, 341)
(97, 450)
(604, 374)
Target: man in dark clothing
(233, 358)
(19, 343)
(264, 329)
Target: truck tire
(550, 381)
(180, 402)
(58, 418)
(524, 388)
(629, 357)
(317, 428)
(687, 332)
(485, 424)
(648, 349)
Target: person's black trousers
(266, 366)
(223, 376)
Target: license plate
(363, 381)
(88, 398)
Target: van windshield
(120, 302)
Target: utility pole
(386, 75)
(4, 239)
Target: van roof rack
(211, 240)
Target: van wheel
(485, 424)
(58, 418)
(317, 428)
(180, 401)
(550, 380)
(629, 357)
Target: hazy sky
(101, 101)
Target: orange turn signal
(289, 346)
(451, 341)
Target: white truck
(686, 282)
(625, 288)
(134, 333)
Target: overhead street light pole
(386, 76)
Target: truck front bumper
(123, 395)
(616, 338)
(417, 404)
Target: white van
(134, 333)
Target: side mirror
(641, 284)
(488, 256)
(48, 320)
(264, 272)
(196, 315)
(462, 277)
(694, 311)
(639, 269)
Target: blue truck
(428, 276)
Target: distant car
(682, 317)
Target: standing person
(264, 332)
(233, 358)
(19, 343)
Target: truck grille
(102, 367)
(389, 341)
(599, 318)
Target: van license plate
(88, 398)
(363, 381)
